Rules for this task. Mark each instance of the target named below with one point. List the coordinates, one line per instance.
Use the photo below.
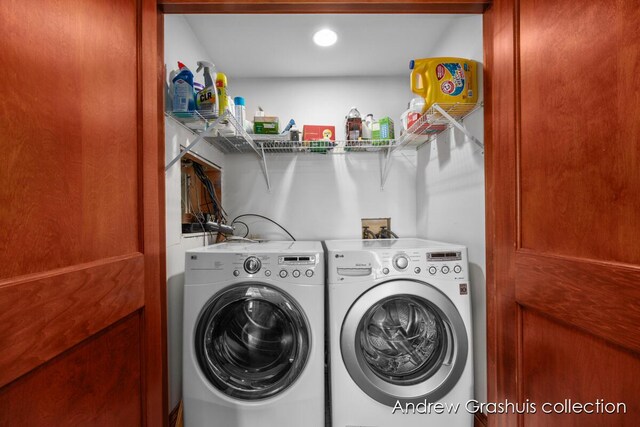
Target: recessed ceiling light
(325, 37)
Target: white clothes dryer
(253, 346)
(400, 336)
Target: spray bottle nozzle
(204, 64)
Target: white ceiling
(246, 46)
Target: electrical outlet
(375, 224)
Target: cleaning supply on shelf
(221, 84)
(382, 131)
(207, 100)
(319, 138)
(183, 99)
(241, 113)
(445, 80)
(353, 131)
(289, 125)
(265, 125)
(367, 125)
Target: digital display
(444, 256)
(296, 260)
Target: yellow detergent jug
(445, 81)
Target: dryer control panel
(299, 268)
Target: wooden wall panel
(97, 383)
(68, 129)
(600, 298)
(42, 317)
(579, 367)
(580, 91)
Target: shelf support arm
(457, 124)
(195, 142)
(385, 168)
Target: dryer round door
(404, 340)
(252, 341)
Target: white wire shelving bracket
(216, 132)
(438, 118)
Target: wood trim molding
(43, 317)
(323, 6)
(152, 205)
(499, 22)
(607, 294)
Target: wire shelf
(433, 122)
(323, 147)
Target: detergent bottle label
(453, 78)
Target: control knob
(401, 262)
(252, 265)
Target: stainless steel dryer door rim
(449, 366)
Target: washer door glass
(252, 341)
(404, 340)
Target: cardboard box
(382, 130)
(265, 125)
(318, 133)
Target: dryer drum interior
(252, 341)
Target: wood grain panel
(152, 178)
(500, 193)
(40, 317)
(96, 383)
(324, 6)
(596, 297)
(579, 367)
(580, 180)
(69, 191)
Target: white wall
(450, 193)
(180, 45)
(319, 197)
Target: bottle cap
(238, 100)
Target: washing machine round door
(404, 340)
(252, 341)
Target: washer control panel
(423, 264)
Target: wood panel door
(82, 339)
(563, 189)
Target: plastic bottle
(241, 111)
(354, 125)
(221, 84)
(183, 99)
(367, 126)
(445, 81)
(207, 100)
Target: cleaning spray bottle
(183, 99)
(221, 84)
(207, 100)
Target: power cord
(263, 217)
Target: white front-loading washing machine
(399, 333)
(253, 345)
